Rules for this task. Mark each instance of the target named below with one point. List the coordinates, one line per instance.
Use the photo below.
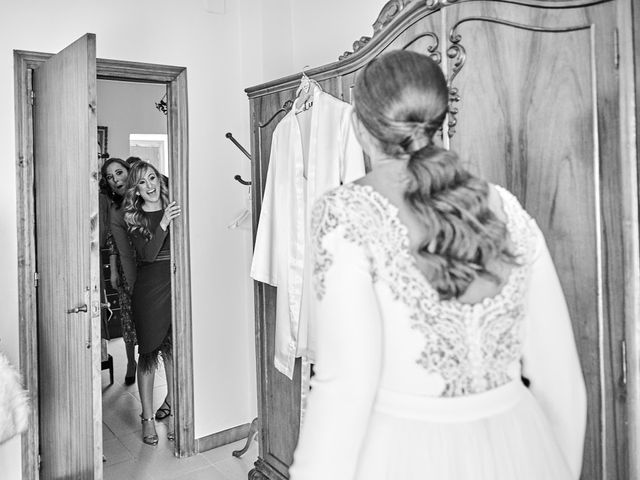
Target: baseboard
(222, 438)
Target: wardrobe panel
(279, 405)
(613, 203)
(529, 106)
(333, 86)
(348, 82)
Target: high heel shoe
(150, 439)
(171, 435)
(131, 379)
(164, 411)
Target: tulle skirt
(498, 435)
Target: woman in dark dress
(121, 257)
(148, 215)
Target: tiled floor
(128, 458)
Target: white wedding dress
(408, 386)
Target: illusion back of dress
(434, 347)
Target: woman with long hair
(148, 215)
(113, 181)
(435, 292)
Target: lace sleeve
(123, 246)
(322, 222)
(348, 353)
(333, 213)
(111, 244)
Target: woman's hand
(172, 211)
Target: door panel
(66, 198)
(535, 114)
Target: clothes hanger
(240, 219)
(304, 93)
(244, 215)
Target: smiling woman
(148, 215)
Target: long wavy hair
(134, 216)
(401, 98)
(104, 183)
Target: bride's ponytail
(404, 111)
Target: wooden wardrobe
(542, 101)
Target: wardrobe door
(536, 95)
(279, 397)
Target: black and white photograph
(304, 240)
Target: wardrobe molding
(559, 81)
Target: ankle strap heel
(151, 439)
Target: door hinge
(623, 351)
(36, 279)
(39, 462)
(32, 97)
(616, 48)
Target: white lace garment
(383, 331)
(471, 347)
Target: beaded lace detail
(471, 346)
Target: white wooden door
(67, 251)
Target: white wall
(128, 107)
(174, 33)
(322, 31)
(290, 35)
(281, 37)
(242, 43)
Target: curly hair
(401, 98)
(103, 184)
(137, 222)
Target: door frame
(175, 79)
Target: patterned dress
(409, 386)
(119, 244)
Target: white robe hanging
(280, 256)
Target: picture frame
(103, 139)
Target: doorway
(174, 78)
(132, 123)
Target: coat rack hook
(241, 180)
(229, 135)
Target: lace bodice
(471, 347)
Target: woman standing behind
(433, 288)
(121, 257)
(148, 215)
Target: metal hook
(229, 135)
(241, 180)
